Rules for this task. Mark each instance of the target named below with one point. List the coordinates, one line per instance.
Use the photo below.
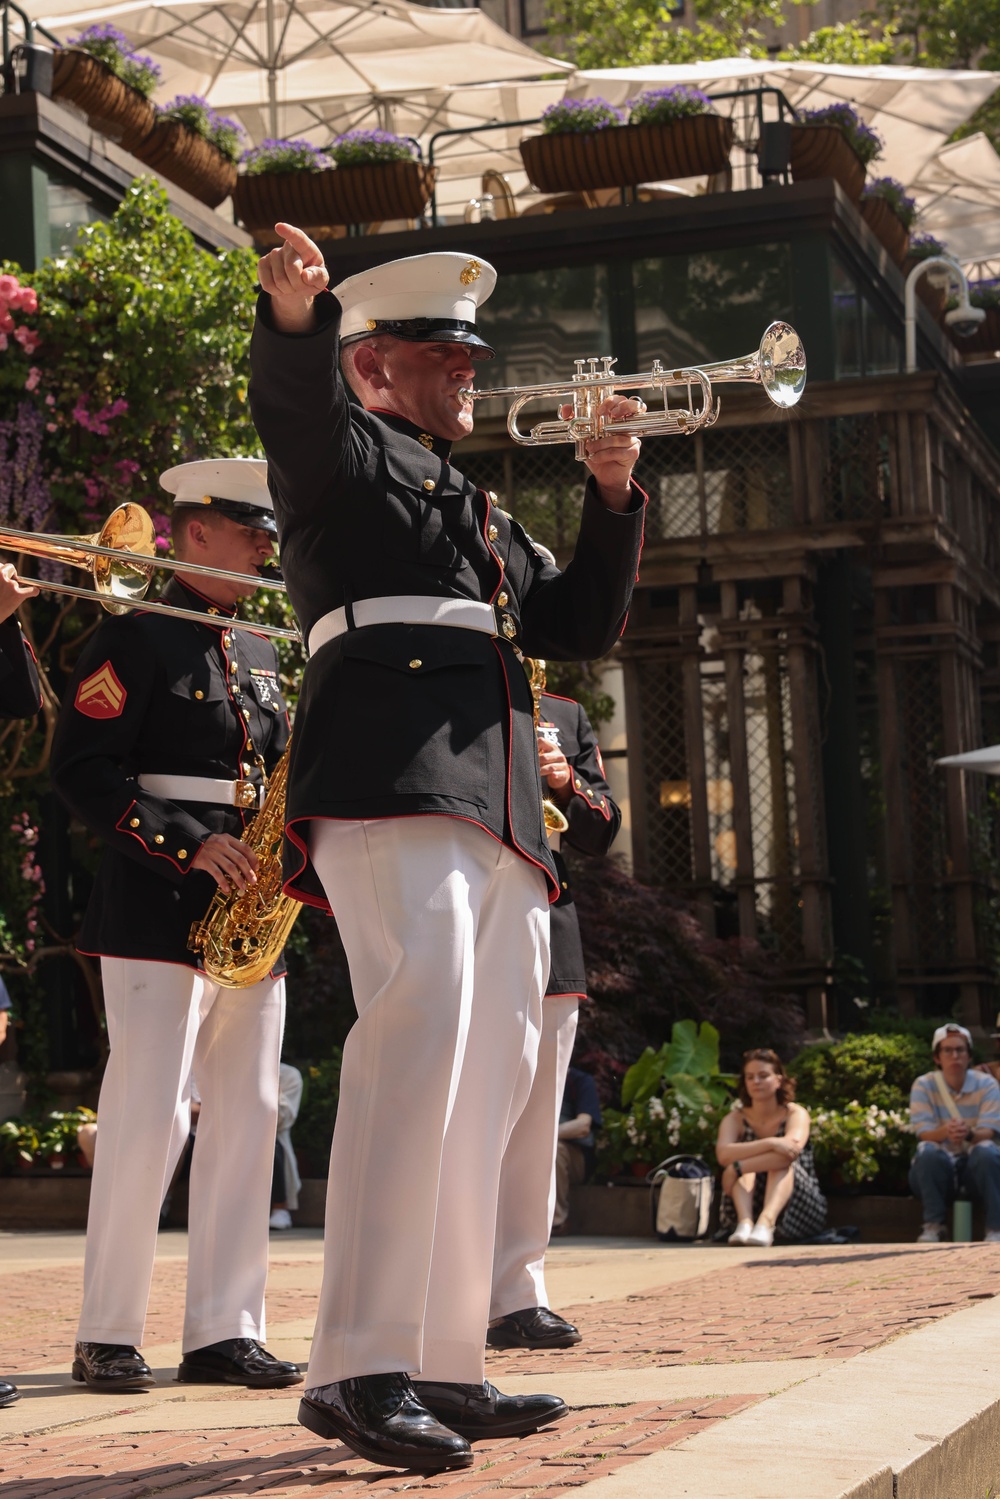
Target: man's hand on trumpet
(13, 591)
(612, 458)
(293, 275)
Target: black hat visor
(240, 511)
(426, 330)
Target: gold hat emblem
(371, 325)
(470, 272)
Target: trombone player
(165, 732)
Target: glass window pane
(539, 322)
(69, 210)
(693, 309)
(882, 347)
(846, 324)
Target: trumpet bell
(782, 363)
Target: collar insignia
(426, 441)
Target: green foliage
(946, 33)
(42, 1139)
(687, 1065)
(672, 1099)
(986, 118)
(870, 1070)
(862, 1146)
(846, 43)
(312, 1131)
(635, 33)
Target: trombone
(121, 558)
(778, 366)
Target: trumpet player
(424, 835)
(166, 730)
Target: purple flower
(659, 106)
(284, 156)
(577, 116)
(359, 147)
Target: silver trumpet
(778, 366)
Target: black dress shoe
(8, 1393)
(476, 1411)
(380, 1417)
(534, 1327)
(111, 1366)
(238, 1361)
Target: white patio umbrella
(958, 195)
(266, 56)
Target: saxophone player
(166, 730)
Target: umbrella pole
(272, 76)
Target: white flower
(656, 1110)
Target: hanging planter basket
(111, 106)
(184, 157)
(823, 151)
(624, 155)
(886, 226)
(335, 196)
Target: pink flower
(6, 322)
(50, 400)
(34, 375)
(28, 340)
(26, 299)
(29, 946)
(127, 467)
(9, 285)
(3, 341)
(52, 426)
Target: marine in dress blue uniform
(166, 730)
(519, 1312)
(414, 813)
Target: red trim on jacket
(155, 852)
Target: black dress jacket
(154, 694)
(594, 819)
(20, 696)
(397, 720)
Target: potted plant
(366, 176)
(193, 146)
(99, 73)
(585, 143)
(834, 142)
(890, 214)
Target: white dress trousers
(446, 933)
(166, 1021)
(528, 1174)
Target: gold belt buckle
(245, 794)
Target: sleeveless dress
(804, 1216)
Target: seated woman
(768, 1170)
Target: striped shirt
(978, 1103)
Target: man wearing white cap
(955, 1114)
(167, 730)
(414, 812)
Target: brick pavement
(189, 1465)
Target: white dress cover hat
(236, 487)
(424, 298)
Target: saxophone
(556, 820)
(242, 933)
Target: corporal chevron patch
(101, 695)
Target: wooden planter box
(823, 151)
(624, 155)
(111, 107)
(340, 195)
(186, 158)
(887, 226)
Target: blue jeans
(936, 1176)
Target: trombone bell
(120, 582)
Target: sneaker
(992, 1236)
(762, 1234)
(932, 1233)
(741, 1233)
(281, 1218)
